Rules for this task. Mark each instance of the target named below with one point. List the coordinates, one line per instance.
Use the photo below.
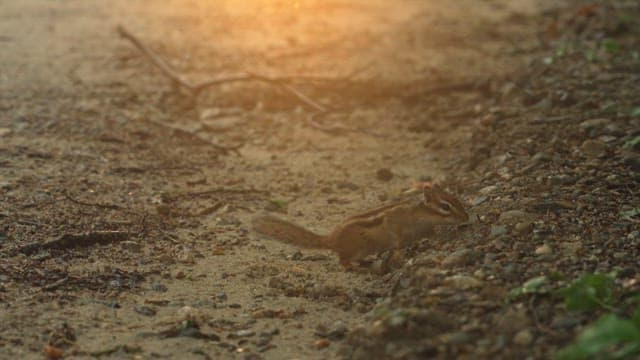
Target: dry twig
(103, 206)
(283, 82)
(68, 241)
(197, 87)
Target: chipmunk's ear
(428, 193)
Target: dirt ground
(125, 224)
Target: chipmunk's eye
(445, 206)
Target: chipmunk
(385, 227)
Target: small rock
(347, 185)
(566, 321)
(457, 338)
(322, 343)
(614, 130)
(607, 139)
(132, 246)
(384, 174)
(594, 123)
(221, 296)
(179, 275)
(463, 282)
(550, 205)
(498, 230)
(593, 148)
(512, 320)
(543, 250)
(523, 338)
(523, 227)
(478, 200)
(479, 274)
(562, 179)
(460, 257)
(223, 124)
(499, 243)
(144, 310)
(159, 287)
(338, 331)
(186, 313)
(512, 216)
(488, 189)
(244, 333)
(540, 157)
(612, 180)
(5, 131)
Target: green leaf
(635, 112)
(589, 292)
(279, 204)
(630, 215)
(636, 316)
(611, 46)
(599, 340)
(632, 144)
(536, 285)
(609, 107)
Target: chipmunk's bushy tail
(287, 232)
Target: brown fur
(373, 231)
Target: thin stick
(195, 136)
(197, 87)
(336, 129)
(104, 206)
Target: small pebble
(384, 174)
(543, 250)
(322, 343)
(523, 338)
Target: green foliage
(589, 292)
(611, 46)
(608, 338)
(278, 204)
(536, 285)
(635, 112)
(631, 215)
(609, 107)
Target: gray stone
(540, 157)
(594, 123)
(462, 282)
(460, 257)
(562, 179)
(544, 250)
(498, 230)
(523, 338)
(513, 216)
(593, 148)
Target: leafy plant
(278, 204)
(632, 143)
(536, 285)
(589, 292)
(609, 107)
(611, 46)
(608, 338)
(631, 215)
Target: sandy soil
(82, 151)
